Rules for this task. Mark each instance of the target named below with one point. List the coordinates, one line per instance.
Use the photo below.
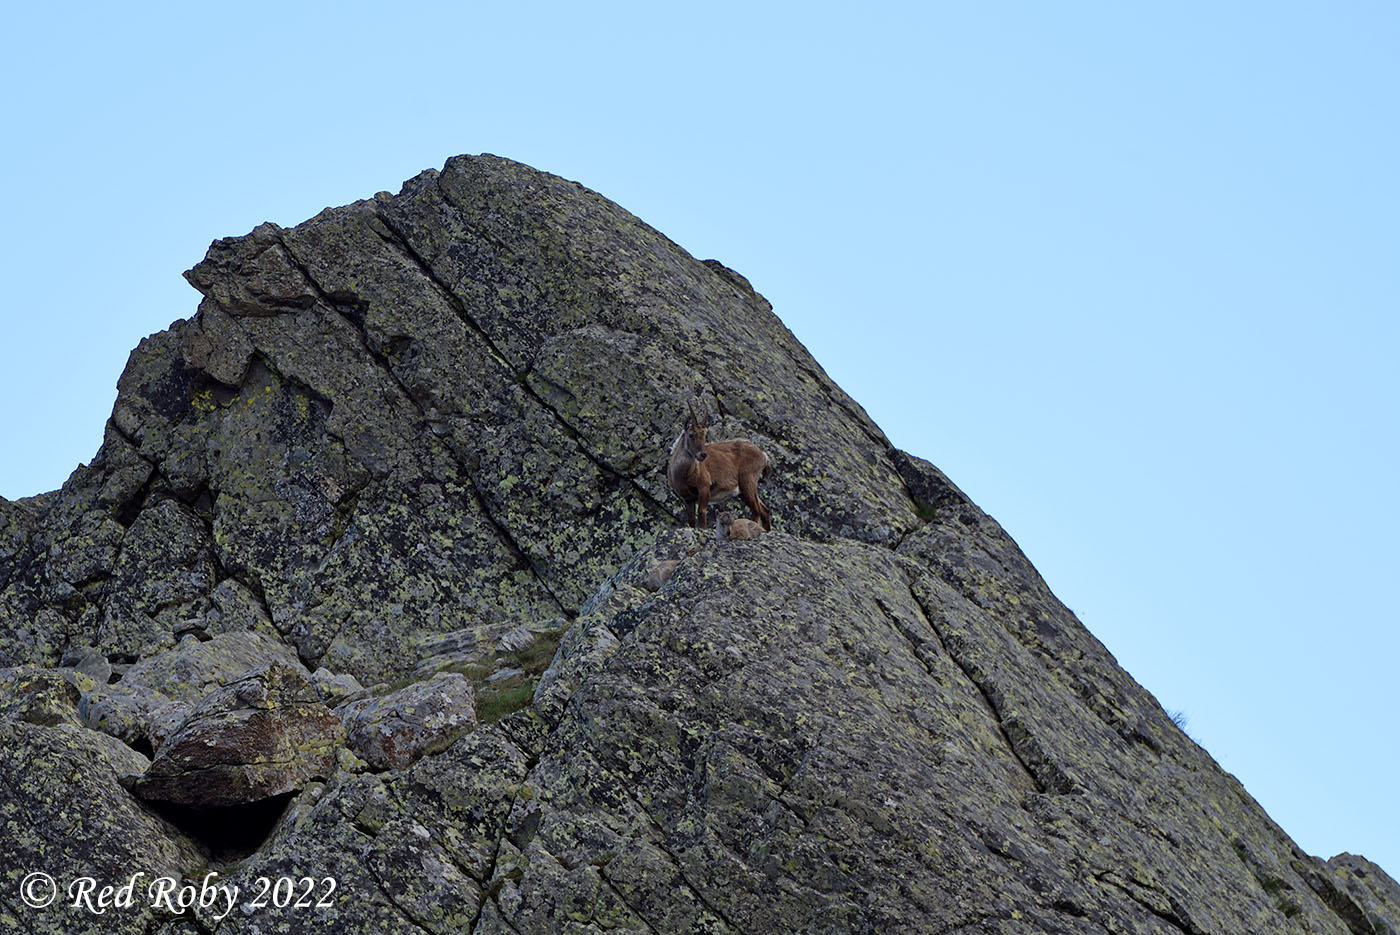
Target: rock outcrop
(265, 734)
(381, 539)
(393, 730)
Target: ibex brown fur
(701, 472)
(660, 573)
(729, 529)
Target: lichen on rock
(406, 462)
(393, 730)
(260, 736)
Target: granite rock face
(415, 446)
(260, 736)
(393, 730)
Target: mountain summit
(377, 583)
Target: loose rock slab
(392, 731)
(261, 736)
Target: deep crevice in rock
(988, 697)
(480, 501)
(228, 833)
(126, 514)
(402, 243)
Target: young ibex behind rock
(701, 472)
(729, 529)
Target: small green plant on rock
(492, 704)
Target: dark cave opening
(230, 832)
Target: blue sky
(1127, 275)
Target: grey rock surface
(65, 810)
(415, 446)
(393, 730)
(260, 736)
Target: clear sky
(1126, 272)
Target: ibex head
(696, 426)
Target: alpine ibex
(729, 529)
(701, 472)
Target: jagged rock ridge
(424, 433)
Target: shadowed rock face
(426, 432)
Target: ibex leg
(748, 487)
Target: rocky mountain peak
(381, 537)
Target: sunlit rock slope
(424, 433)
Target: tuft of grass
(502, 697)
(492, 704)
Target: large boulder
(263, 735)
(155, 695)
(66, 813)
